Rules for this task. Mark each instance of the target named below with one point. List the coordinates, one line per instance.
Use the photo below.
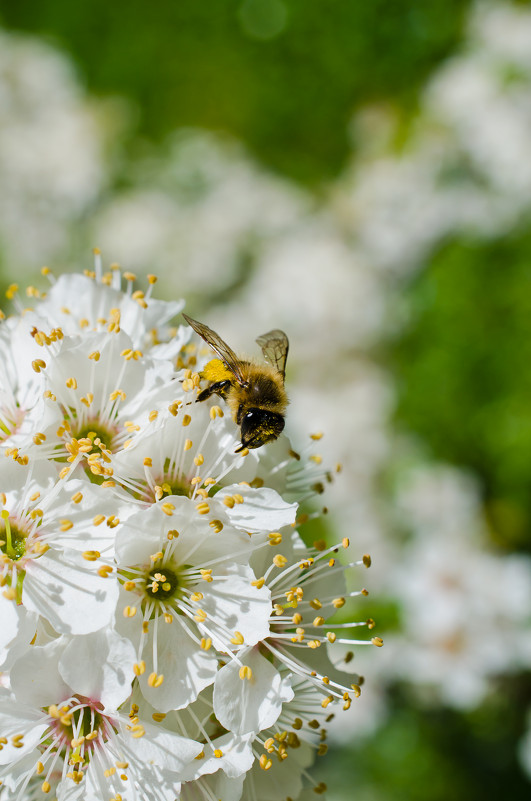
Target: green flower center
(12, 539)
(98, 434)
(162, 584)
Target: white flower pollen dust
(166, 632)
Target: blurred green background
(291, 81)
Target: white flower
(41, 571)
(63, 723)
(162, 619)
(186, 588)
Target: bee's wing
(275, 348)
(226, 354)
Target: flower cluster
(166, 631)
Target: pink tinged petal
(35, 677)
(237, 758)
(262, 509)
(240, 607)
(186, 668)
(16, 718)
(250, 704)
(68, 592)
(99, 666)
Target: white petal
(99, 666)
(237, 758)
(250, 705)
(69, 593)
(35, 677)
(186, 668)
(233, 601)
(262, 509)
(166, 750)
(17, 718)
(10, 624)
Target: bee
(253, 391)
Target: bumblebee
(253, 391)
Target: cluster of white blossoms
(166, 631)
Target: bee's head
(259, 426)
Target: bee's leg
(220, 388)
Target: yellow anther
(71, 383)
(199, 459)
(206, 643)
(265, 762)
(275, 538)
(11, 291)
(367, 560)
(188, 444)
(377, 641)
(338, 602)
(203, 508)
(38, 365)
(168, 508)
(279, 560)
(77, 497)
(139, 668)
(105, 571)
(206, 574)
(172, 534)
(297, 618)
(317, 459)
(155, 680)
(129, 586)
(46, 787)
(218, 753)
(129, 611)
(195, 597)
(216, 411)
(174, 407)
(330, 636)
(318, 621)
(186, 420)
(245, 672)
(316, 603)
(91, 556)
(158, 717)
(118, 394)
(200, 616)
(258, 583)
(237, 639)
(229, 501)
(200, 756)
(155, 557)
(326, 701)
(65, 525)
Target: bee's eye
(259, 426)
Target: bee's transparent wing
(275, 348)
(226, 354)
